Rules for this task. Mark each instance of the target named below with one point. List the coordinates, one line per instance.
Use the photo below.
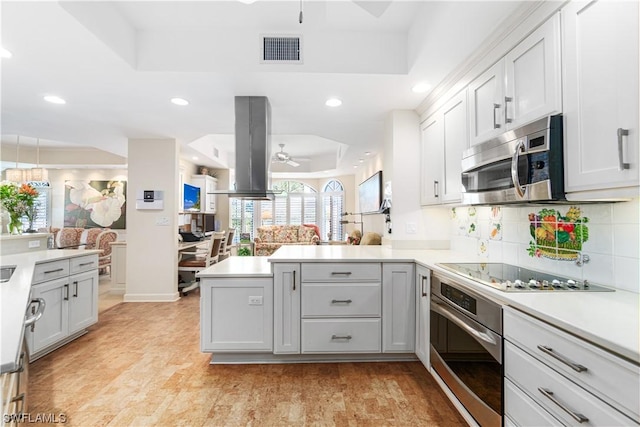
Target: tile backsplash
(553, 237)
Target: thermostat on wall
(149, 199)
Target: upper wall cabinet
(208, 185)
(521, 87)
(444, 137)
(600, 90)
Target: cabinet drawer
(341, 272)
(341, 336)
(535, 378)
(50, 270)
(607, 376)
(83, 263)
(341, 300)
(524, 411)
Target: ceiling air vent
(281, 49)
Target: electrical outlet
(411, 228)
(34, 244)
(255, 300)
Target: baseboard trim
(270, 358)
(172, 297)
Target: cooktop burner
(511, 278)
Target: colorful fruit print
(557, 236)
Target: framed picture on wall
(89, 204)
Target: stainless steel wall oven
(466, 348)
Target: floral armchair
(271, 237)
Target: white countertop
(15, 297)
(239, 266)
(610, 320)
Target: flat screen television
(370, 192)
(191, 198)
(209, 223)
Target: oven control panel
(458, 297)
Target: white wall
(613, 243)
(152, 250)
(413, 226)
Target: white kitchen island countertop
(239, 266)
(610, 320)
(14, 298)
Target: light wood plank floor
(141, 365)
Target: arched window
(332, 209)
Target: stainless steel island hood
(253, 149)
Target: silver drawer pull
(341, 301)
(576, 416)
(575, 366)
(341, 273)
(341, 337)
(85, 263)
(54, 271)
(622, 165)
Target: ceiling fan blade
(292, 163)
(375, 8)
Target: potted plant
(244, 251)
(17, 200)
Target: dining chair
(199, 260)
(225, 248)
(103, 244)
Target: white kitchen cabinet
(423, 301)
(444, 138)
(208, 185)
(71, 302)
(341, 308)
(431, 154)
(551, 366)
(600, 90)
(521, 87)
(286, 308)
(398, 308)
(53, 326)
(236, 314)
(83, 301)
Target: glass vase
(15, 225)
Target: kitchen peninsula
(371, 303)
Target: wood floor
(141, 365)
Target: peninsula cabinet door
(398, 308)
(423, 301)
(600, 89)
(83, 300)
(286, 308)
(54, 324)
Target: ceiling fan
(283, 157)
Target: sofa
(269, 238)
(76, 238)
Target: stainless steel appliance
(466, 348)
(511, 278)
(521, 165)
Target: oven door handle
(514, 168)
(463, 323)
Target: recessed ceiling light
(367, 153)
(355, 166)
(54, 99)
(4, 53)
(179, 101)
(333, 102)
(194, 158)
(421, 87)
(361, 160)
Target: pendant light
(38, 173)
(15, 174)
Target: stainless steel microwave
(521, 165)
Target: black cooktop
(511, 278)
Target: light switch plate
(162, 220)
(34, 243)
